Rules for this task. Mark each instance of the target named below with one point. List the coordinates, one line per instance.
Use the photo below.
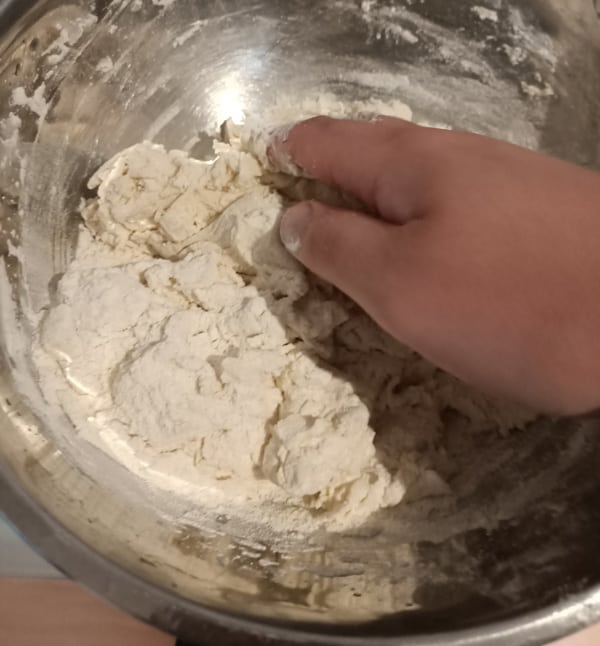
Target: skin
(482, 256)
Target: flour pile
(187, 342)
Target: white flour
(70, 33)
(34, 102)
(483, 13)
(185, 341)
(105, 65)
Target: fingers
(356, 156)
(348, 249)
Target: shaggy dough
(185, 327)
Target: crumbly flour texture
(185, 341)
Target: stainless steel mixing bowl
(513, 558)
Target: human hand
(482, 256)
(589, 637)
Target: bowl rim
(179, 616)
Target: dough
(185, 329)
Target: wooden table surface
(41, 612)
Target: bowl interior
(521, 531)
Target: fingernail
(293, 226)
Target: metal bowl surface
(495, 566)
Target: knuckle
(430, 154)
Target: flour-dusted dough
(204, 347)
(185, 328)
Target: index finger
(351, 155)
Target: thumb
(348, 249)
